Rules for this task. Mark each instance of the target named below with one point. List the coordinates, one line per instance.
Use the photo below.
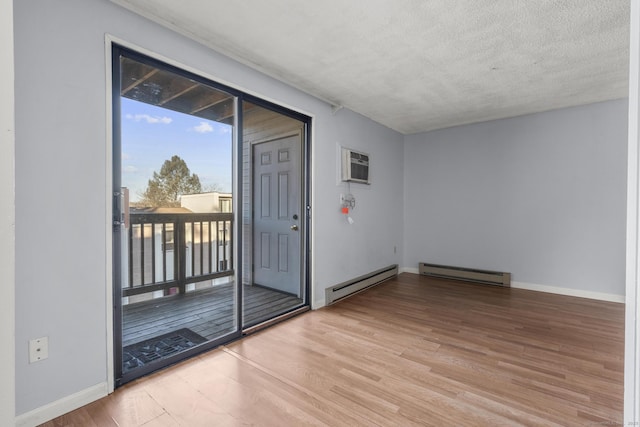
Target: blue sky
(151, 135)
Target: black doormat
(139, 354)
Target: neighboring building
(161, 210)
(207, 202)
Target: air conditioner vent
(355, 166)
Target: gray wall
(7, 216)
(542, 196)
(62, 190)
(377, 216)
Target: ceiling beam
(178, 94)
(209, 104)
(139, 81)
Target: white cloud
(129, 169)
(149, 119)
(203, 127)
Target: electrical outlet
(38, 349)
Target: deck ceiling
(148, 84)
(416, 65)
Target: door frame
(305, 133)
(115, 44)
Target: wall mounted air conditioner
(355, 166)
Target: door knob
(294, 227)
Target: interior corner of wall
(412, 270)
(318, 303)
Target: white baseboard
(568, 291)
(60, 407)
(409, 270)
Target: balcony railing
(166, 252)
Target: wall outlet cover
(38, 349)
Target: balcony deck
(207, 312)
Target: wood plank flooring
(411, 351)
(207, 312)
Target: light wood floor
(411, 351)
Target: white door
(277, 213)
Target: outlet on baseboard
(38, 349)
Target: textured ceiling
(418, 65)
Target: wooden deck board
(207, 312)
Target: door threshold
(252, 329)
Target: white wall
(542, 196)
(632, 316)
(7, 216)
(348, 249)
(62, 174)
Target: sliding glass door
(210, 204)
(275, 216)
(173, 193)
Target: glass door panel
(173, 151)
(273, 214)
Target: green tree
(173, 180)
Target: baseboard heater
(487, 277)
(350, 287)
